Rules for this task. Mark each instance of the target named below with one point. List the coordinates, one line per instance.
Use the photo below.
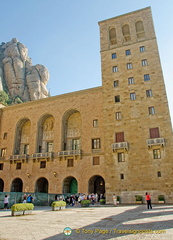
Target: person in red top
(148, 199)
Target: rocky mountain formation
(20, 81)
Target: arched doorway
(1, 185)
(41, 185)
(96, 185)
(17, 185)
(70, 185)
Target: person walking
(6, 202)
(148, 199)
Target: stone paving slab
(107, 222)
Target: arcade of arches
(96, 184)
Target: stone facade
(111, 139)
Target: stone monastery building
(116, 138)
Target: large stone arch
(70, 185)
(17, 185)
(71, 130)
(1, 185)
(22, 137)
(42, 185)
(45, 134)
(96, 184)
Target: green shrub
(58, 204)
(85, 202)
(102, 201)
(161, 198)
(22, 207)
(138, 198)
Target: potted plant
(138, 199)
(58, 205)
(161, 199)
(102, 201)
(21, 209)
(85, 203)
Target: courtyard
(95, 222)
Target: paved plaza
(75, 223)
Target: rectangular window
(122, 176)
(119, 137)
(156, 154)
(5, 136)
(18, 165)
(3, 152)
(129, 65)
(116, 83)
(96, 143)
(131, 80)
(118, 116)
(117, 98)
(114, 69)
(154, 132)
(146, 77)
(132, 96)
(95, 123)
(149, 93)
(121, 157)
(159, 174)
(26, 149)
(96, 161)
(144, 62)
(128, 52)
(151, 110)
(49, 146)
(142, 49)
(70, 162)
(114, 55)
(43, 164)
(1, 166)
(75, 144)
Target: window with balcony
(121, 157)
(151, 110)
(116, 83)
(43, 164)
(18, 166)
(95, 123)
(140, 29)
(70, 162)
(156, 154)
(112, 36)
(149, 93)
(126, 32)
(75, 144)
(115, 69)
(129, 66)
(96, 143)
(119, 137)
(26, 149)
(117, 98)
(96, 161)
(49, 146)
(154, 132)
(131, 80)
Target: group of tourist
(75, 200)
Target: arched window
(140, 29)
(126, 32)
(112, 36)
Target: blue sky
(64, 36)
